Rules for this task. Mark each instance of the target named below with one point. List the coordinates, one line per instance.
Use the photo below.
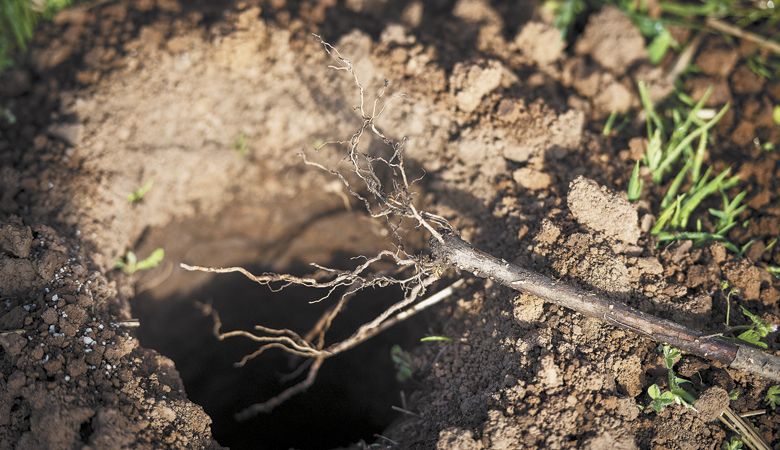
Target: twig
(405, 411)
(462, 255)
(744, 429)
(727, 28)
(755, 412)
(6, 333)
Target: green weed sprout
(776, 114)
(241, 145)
(727, 217)
(726, 287)
(660, 400)
(130, 263)
(612, 126)
(403, 363)
(436, 339)
(137, 195)
(751, 334)
(772, 397)
(566, 13)
(17, 24)
(696, 15)
(635, 184)
(676, 393)
(666, 148)
(757, 330)
(679, 139)
(733, 444)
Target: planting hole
(353, 394)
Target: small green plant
(676, 393)
(5, 113)
(635, 184)
(764, 66)
(17, 24)
(137, 195)
(774, 270)
(751, 334)
(757, 330)
(677, 142)
(655, 19)
(734, 394)
(241, 145)
(729, 290)
(566, 13)
(776, 114)
(436, 339)
(130, 263)
(772, 397)
(660, 400)
(733, 444)
(403, 363)
(669, 142)
(612, 125)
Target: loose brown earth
(501, 117)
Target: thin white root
(317, 358)
(296, 389)
(392, 200)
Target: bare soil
(504, 120)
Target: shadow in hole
(351, 399)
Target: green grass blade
(674, 187)
(693, 201)
(674, 153)
(635, 184)
(698, 158)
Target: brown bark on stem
(462, 255)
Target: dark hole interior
(352, 397)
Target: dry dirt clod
(746, 277)
(528, 308)
(16, 239)
(746, 82)
(540, 42)
(612, 96)
(711, 403)
(630, 376)
(473, 83)
(612, 40)
(612, 441)
(717, 61)
(17, 276)
(456, 438)
(600, 209)
(531, 179)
